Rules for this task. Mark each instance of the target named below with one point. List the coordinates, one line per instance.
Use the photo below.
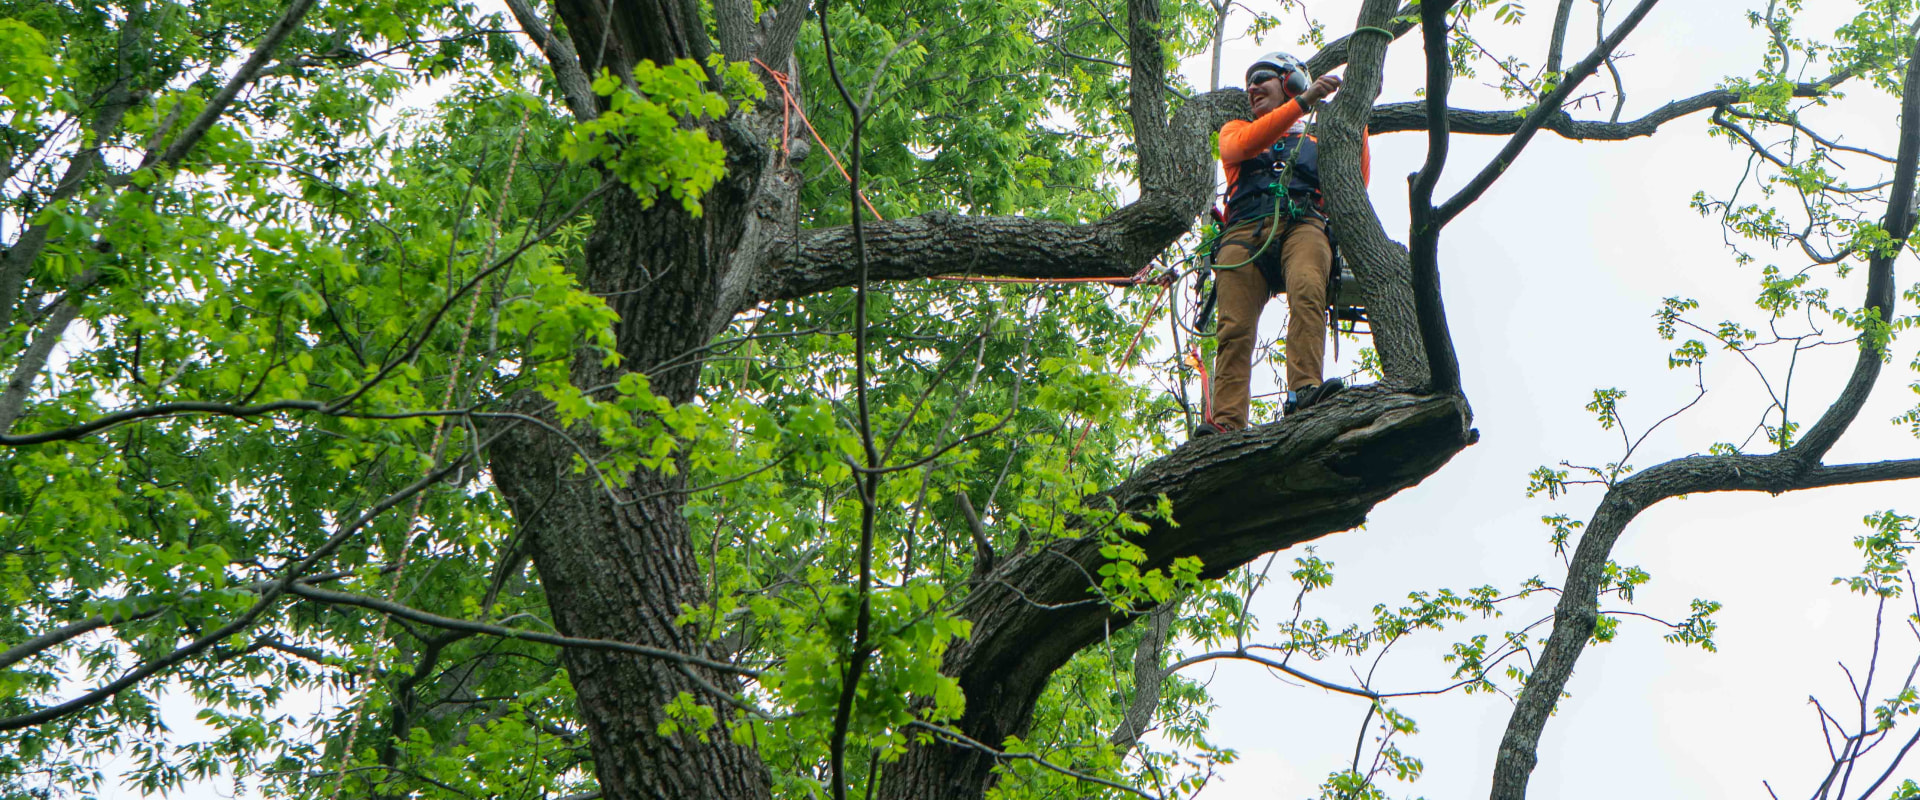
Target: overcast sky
(1550, 284)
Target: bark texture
(1386, 277)
(1235, 497)
(618, 564)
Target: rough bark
(1381, 263)
(1149, 675)
(618, 34)
(617, 564)
(1235, 497)
(574, 84)
(943, 243)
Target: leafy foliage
(367, 269)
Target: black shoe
(1207, 428)
(1308, 397)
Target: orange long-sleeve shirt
(1241, 140)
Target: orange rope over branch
(794, 107)
(790, 106)
(1144, 277)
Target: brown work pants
(1244, 273)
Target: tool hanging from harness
(1284, 181)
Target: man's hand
(1322, 88)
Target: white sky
(1550, 281)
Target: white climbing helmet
(1290, 70)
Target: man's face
(1264, 91)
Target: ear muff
(1293, 73)
(1296, 82)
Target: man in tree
(1275, 239)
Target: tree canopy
(636, 398)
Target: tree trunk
(619, 563)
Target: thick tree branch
(733, 23)
(1578, 609)
(942, 243)
(575, 86)
(782, 28)
(1443, 366)
(1558, 45)
(1149, 676)
(1381, 263)
(1234, 498)
(1898, 224)
(1176, 179)
(1176, 184)
(616, 35)
(1397, 117)
(1158, 165)
(1849, 474)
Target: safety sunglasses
(1260, 76)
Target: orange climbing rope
(793, 106)
(1194, 362)
(1145, 276)
(1135, 342)
(790, 107)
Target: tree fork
(618, 564)
(1795, 468)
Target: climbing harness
(1296, 205)
(1344, 315)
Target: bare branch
(1412, 116)
(1792, 469)
(1547, 108)
(411, 614)
(1557, 48)
(242, 78)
